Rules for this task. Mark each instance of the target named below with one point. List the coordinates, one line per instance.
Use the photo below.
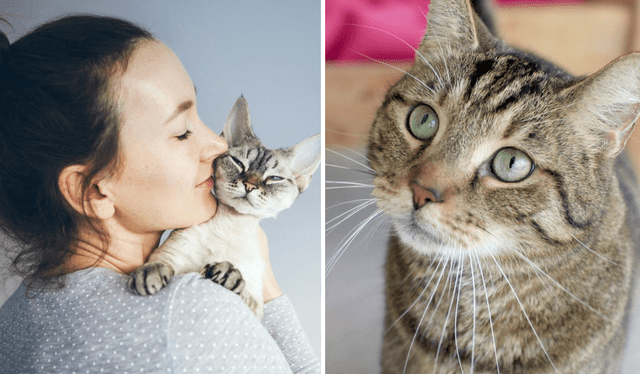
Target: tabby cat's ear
(608, 102)
(237, 127)
(305, 160)
(452, 24)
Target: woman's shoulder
(190, 323)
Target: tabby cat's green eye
(423, 122)
(511, 165)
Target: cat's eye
(274, 178)
(238, 163)
(511, 165)
(423, 122)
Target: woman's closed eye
(185, 136)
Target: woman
(102, 150)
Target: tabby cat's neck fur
(512, 211)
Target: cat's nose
(422, 195)
(251, 182)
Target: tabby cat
(251, 183)
(515, 212)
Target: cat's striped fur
(485, 275)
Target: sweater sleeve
(210, 329)
(283, 324)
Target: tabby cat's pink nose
(422, 196)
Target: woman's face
(166, 150)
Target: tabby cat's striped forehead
(257, 158)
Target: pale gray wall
(267, 50)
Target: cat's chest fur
(228, 236)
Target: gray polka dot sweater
(95, 325)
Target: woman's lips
(206, 184)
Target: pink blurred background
(381, 29)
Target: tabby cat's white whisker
(347, 203)
(486, 294)
(350, 183)
(349, 213)
(455, 320)
(348, 240)
(351, 169)
(425, 309)
(346, 187)
(446, 321)
(526, 316)
(352, 160)
(354, 151)
(397, 68)
(596, 253)
(426, 286)
(473, 332)
(409, 45)
(537, 268)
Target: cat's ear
(237, 127)
(608, 102)
(305, 160)
(452, 24)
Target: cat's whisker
(351, 169)
(425, 309)
(446, 321)
(410, 46)
(347, 187)
(486, 294)
(455, 320)
(348, 240)
(596, 253)
(397, 68)
(348, 203)
(347, 183)
(349, 213)
(334, 131)
(544, 350)
(537, 268)
(473, 332)
(442, 256)
(352, 160)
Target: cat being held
(251, 183)
(515, 212)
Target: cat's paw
(224, 274)
(150, 278)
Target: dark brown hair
(57, 108)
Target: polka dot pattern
(95, 325)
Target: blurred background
(268, 51)
(580, 36)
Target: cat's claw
(150, 278)
(224, 274)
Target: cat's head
(483, 147)
(256, 180)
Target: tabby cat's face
(483, 148)
(255, 180)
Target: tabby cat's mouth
(416, 232)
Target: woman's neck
(125, 251)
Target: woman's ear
(97, 202)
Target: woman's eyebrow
(183, 107)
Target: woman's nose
(213, 146)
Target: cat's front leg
(150, 278)
(226, 275)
